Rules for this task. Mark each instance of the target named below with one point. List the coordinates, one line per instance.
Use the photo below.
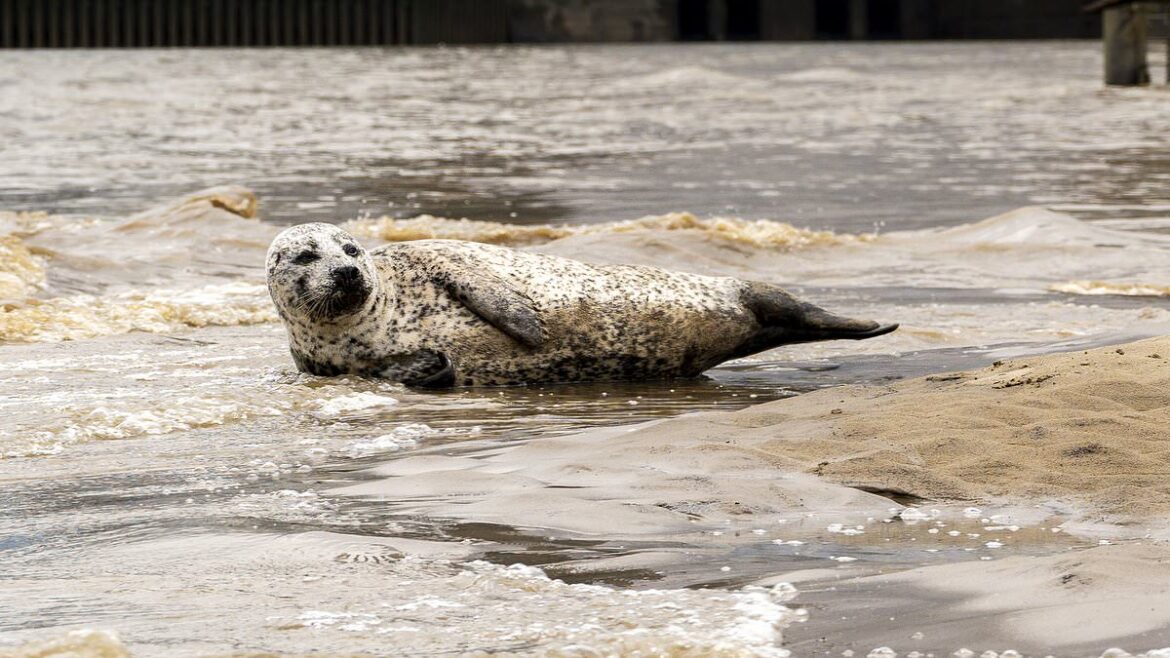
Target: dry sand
(1090, 428)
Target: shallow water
(167, 473)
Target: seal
(443, 313)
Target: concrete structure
(589, 20)
(152, 23)
(777, 20)
(1125, 29)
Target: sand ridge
(1091, 428)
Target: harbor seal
(443, 313)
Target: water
(168, 475)
(825, 135)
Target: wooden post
(1124, 30)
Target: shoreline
(1067, 439)
(1078, 430)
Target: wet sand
(1075, 440)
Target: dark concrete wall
(592, 20)
(780, 20)
(155, 23)
(456, 21)
(795, 19)
(1012, 19)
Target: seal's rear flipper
(787, 320)
(820, 324)
(881, 330)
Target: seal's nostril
(347, 274)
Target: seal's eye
(306, 257)
(350, 250)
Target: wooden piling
(1124, 30)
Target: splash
(761, 233)
(1107, 288)
(158, 311)
(21, 272)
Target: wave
(197, 261)
(185, 248)
(158, 311)
(762, 233)
(1107, 288)
(825, 74)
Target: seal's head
(319, 273)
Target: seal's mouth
(348, 290)
(342, 301)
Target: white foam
(400, 438)
(577, 619)
(344, 404)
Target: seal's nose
(346, 275)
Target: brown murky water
(169, 476)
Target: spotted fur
(450, 313)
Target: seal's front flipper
(421, 369)
(499, 304)
(787, 320)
